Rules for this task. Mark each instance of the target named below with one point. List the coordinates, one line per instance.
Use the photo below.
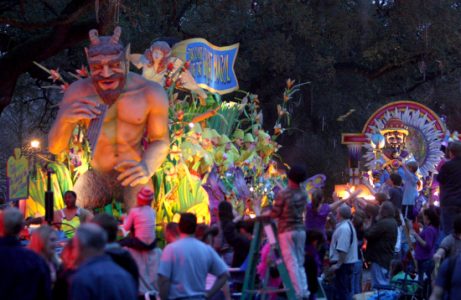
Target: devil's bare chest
(130, 109)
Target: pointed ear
(127, 58)
(127, 52)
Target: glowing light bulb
(35, 144)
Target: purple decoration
(240, 185)
(214, 188)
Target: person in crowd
(401, 279)
(380, 198)
(245, 227)
(70, 217)
(396, 190)
(410, 188)
(358, 222)
(449, 179)
(343, 253)
(288, 209)
(206, 233)
(69, 257)
(23, 274)
(371, 212)
(43, 242)
(185, 264)
(425, 246)
(313, 260)
(239, 242)
(98, 277)
(317, 210)
(448, 282)
(141, 223)
(267, 270)
(401, 245)
(119, 255)
(381, 239)
(171, 232)
(451, 244)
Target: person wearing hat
(141, 223)
(249, 141)
(289, 208)
(248, 152)
(237, 137)
(265, 147)
(226, 153)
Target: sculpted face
(107, 60)
(395, 141)
(108, 73)
(157, 55)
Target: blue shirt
(101, 279)
(186, 263)
(410, 190)
(450, 283)
(23, 274)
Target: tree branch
(65, 35)
(67, 18)
(373, 74)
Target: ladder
(249, 291)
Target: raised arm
(163, 286)
(134, 172)
(220, 281)
(74, 108)
(157, 131)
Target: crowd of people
(325, 245)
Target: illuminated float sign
(211, 66)
(18, 177)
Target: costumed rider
(70, 217)
(248, 152)
(137, 111)
(237, 138)
(226, 154)
(394, 154)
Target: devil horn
(94, 38)
(116, 35)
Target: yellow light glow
(344, 191)
(35, 144)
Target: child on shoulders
(141, 223)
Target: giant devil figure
(136, 109)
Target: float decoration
(395, 133)
(202, 154)
(421, 130)
(17, 172)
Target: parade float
(218, 150)
(396, 133)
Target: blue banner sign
(211, 66)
